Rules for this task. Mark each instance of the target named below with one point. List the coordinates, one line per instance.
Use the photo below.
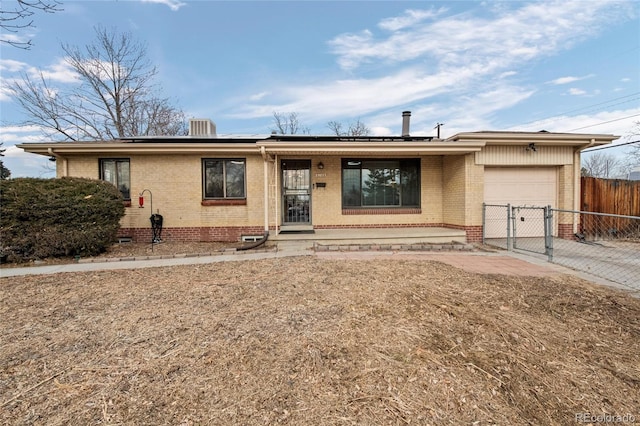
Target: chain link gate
(601, 244)
(527, 228)
(532, 229)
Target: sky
(525, 66)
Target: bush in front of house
(44, 218)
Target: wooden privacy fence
(612, 196)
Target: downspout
(276, 190)
(577, 173)
(65, 164)
(266, 159)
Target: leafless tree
(288, 124)
(358, 128)
(632, 160)
(114, 97)
(4, 172)
(20, 17)
(602, 165)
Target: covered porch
(378, 236)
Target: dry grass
(309, 341)
(138, 250)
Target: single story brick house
(211, 188)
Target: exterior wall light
(321, 165)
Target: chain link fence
(604, 245)
(496, 225)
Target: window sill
(229, 202)
(372, 211)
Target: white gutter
(65, 164)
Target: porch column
(265, 162)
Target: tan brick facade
(451, 186)
(452, 178)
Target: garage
(521, 186)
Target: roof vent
(202, 127)
(406, 117)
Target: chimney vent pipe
(406, 118)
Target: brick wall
(326, 202)
(193, 234)
(175, 182)
(463, 190)
(565, 231)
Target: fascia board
(130, 148)
(537, 137)
(372, 147)
(326, 148)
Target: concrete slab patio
(482, 263)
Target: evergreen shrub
(44, 218)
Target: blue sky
(559, 66)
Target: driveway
(613, 260)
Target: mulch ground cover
(309, 341)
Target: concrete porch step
(430, 247)
(386, 236)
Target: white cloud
(452, 70)
(568, 79)
(410, 18)
(19, 162)
(5, 92)
(10, 65)
(258, 96)
(174, 5)
(508, 74)
(577, 92)
(381, 131)
(4, 130)
(616, 122)
(23, 164)
(17, 38)
(512, 35)
(343, 97)
(11, 139)
(60, 71)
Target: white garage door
(536, 186)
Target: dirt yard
(314, 342)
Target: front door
(296, 192)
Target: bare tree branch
(355, 129)
(13, 20)
(288, 124)
(115, 96)
(601, 165)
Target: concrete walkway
(291, 250)
(506, 263)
